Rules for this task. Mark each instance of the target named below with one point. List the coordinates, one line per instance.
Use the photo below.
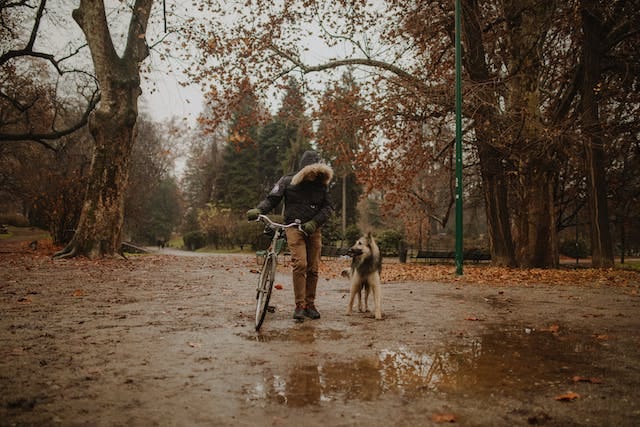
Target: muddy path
(167, 340)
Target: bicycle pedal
(271, 309)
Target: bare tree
(32, 110)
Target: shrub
(194, 240)
(352, 233)
(389, 242)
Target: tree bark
(533, 154)
(112, 124)
(491, 159)
(601, 240)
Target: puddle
(496, 362)
(302, 335)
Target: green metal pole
(459, 245)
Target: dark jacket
(305, 192)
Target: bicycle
(269, 265)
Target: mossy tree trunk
(112, 124)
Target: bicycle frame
(269, 267)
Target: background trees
(153, 199)
(551, 100)
(534, 99)
(98, 231)
(341, 125)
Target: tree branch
(368, 62)
(43, 138)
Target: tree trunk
(495, 197)
(601, 240)
(99, 231)
(537, 242)
(491, 160)
(532, 152)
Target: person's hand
(252, 214)
(309, 227)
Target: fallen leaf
(592, 380)
(474, 319)
(602, 337)
(552, 328)
(443, 418)
(567, 397)
(194, 344)
(78, 293)
(279, 286)
(24, 300)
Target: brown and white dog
(366, 265)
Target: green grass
(176, 242)
(629, 265)
(24, 233)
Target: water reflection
(302, 335)
(498, 360)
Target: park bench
(333, 252)
(132, 248)
(428, 256)
(475, 255)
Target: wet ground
(167, 340)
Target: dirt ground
(167, 340)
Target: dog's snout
(354, 252)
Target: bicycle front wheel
(265, 285)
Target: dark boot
(299, 312)
(311, 312)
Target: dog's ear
(369, 237)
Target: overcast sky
(166, 98)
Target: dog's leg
(367, 288)
(354, 288)
(360, 290)
(377, 298)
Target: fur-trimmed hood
(314, 172)
(305, 192)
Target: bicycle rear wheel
(265, 285)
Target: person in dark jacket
(306, 198)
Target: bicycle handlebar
(268, 220)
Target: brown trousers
(305, 257)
